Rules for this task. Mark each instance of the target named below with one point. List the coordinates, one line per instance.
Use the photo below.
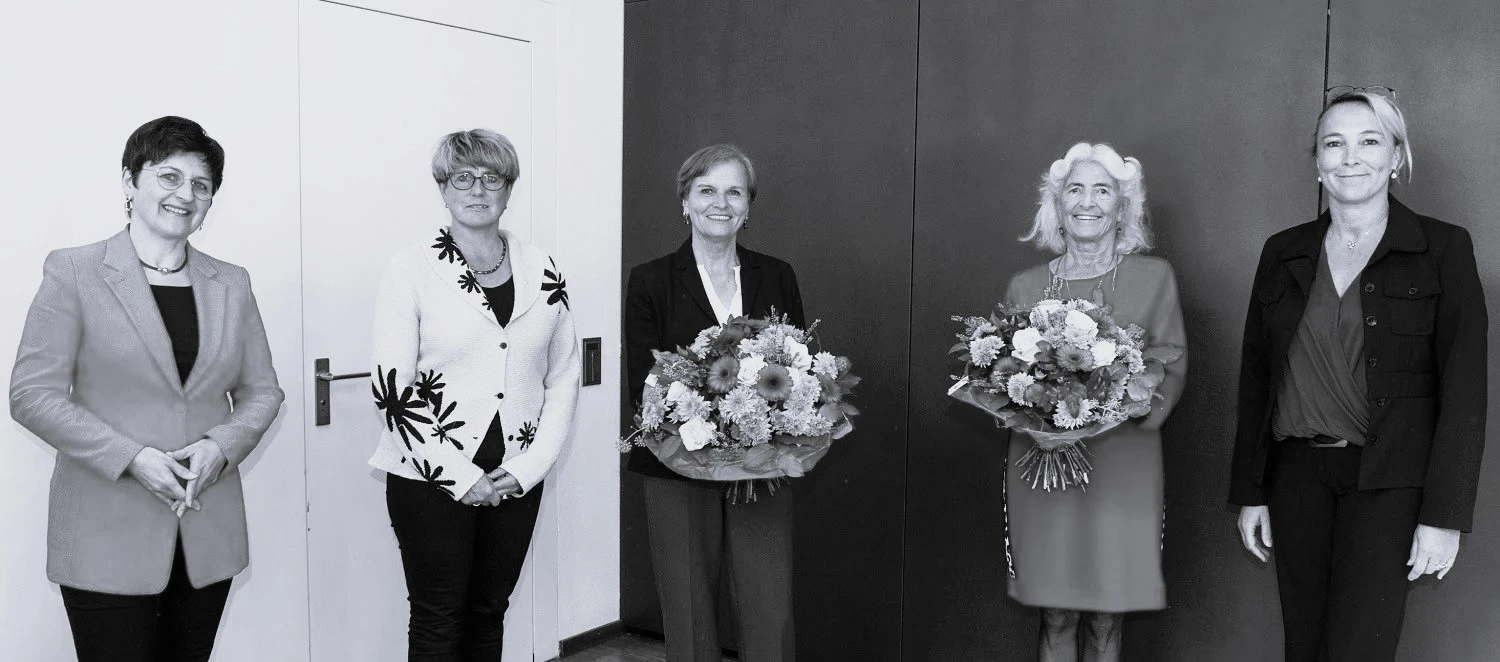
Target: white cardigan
(443, 367)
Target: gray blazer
(95, 379)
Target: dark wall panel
(823, 98)
(1445, 67)
(1217, 100)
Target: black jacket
(1425, 366)
(666, 306)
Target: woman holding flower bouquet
(1362, 394)
(1086, 556)
(693, 528)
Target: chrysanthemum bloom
(723, 375)
(982, 352)
(825, 365)
(742, 402)
(1016, 387)
(774, 383)
(1074, 358)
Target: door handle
(322, 377)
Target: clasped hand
(178, 477)
(491, 488)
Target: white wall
(590, 111)
(79, 76)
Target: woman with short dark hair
(144, 362)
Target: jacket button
(1372, 361)
(503, 345)
(1412, 291)
(1372, 440)
(500, 396)
(1369, 287)
(1380, 402)
(1370, 320)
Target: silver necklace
(1060, 288)
(504, 251)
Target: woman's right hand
(481, 493)
(159, 474)
(1258, 542)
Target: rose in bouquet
(1059, 371)
(747, 401)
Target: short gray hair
(706, 158)
(476, 147)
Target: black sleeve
(1460, 343)
(1248, 467)
(642, 332)
(791, 296)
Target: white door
(377, 91)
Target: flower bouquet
(746, 402)
(1059, 371)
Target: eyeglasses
(464, 181)
(1344, 90)
(171, 179)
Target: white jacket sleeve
(409, 418)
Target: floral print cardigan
(444, 367)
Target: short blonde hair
(481, 148)
(1133, 234)
(1387, 114)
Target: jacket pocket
(1413, 305)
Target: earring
(685, 220)
(746, 224)
(1320, 179)
(1393, 174)
(129, 205)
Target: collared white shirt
(723, 311)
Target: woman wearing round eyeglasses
(129, 351)
(476, 375)
(1362, 394)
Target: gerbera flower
(1074, 358)
(723, 375)
(1073, 413)
(774, 383)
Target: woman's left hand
(1433, 551)
(506, 485)
(204, 458)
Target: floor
(624, 648)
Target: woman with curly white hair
(1091, 556)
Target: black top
(491, 451)
(179, 312)
(666, 306)
(502, 300)
(1323, 393)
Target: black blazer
(1425, 343)
(666, 306)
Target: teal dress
(1100, 550)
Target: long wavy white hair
(1133, 234)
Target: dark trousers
(693, 531)
(1340, 555)
(461, 563)
(177, 625)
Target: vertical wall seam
(1323, 93)
(911, 311)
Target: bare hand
(1433, 551)
(1258, 542)
(204, 458)
(159, 474)
(506, 485)
(480, 494)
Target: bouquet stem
(1060, 467)
(743, 491)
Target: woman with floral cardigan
(476, 376)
